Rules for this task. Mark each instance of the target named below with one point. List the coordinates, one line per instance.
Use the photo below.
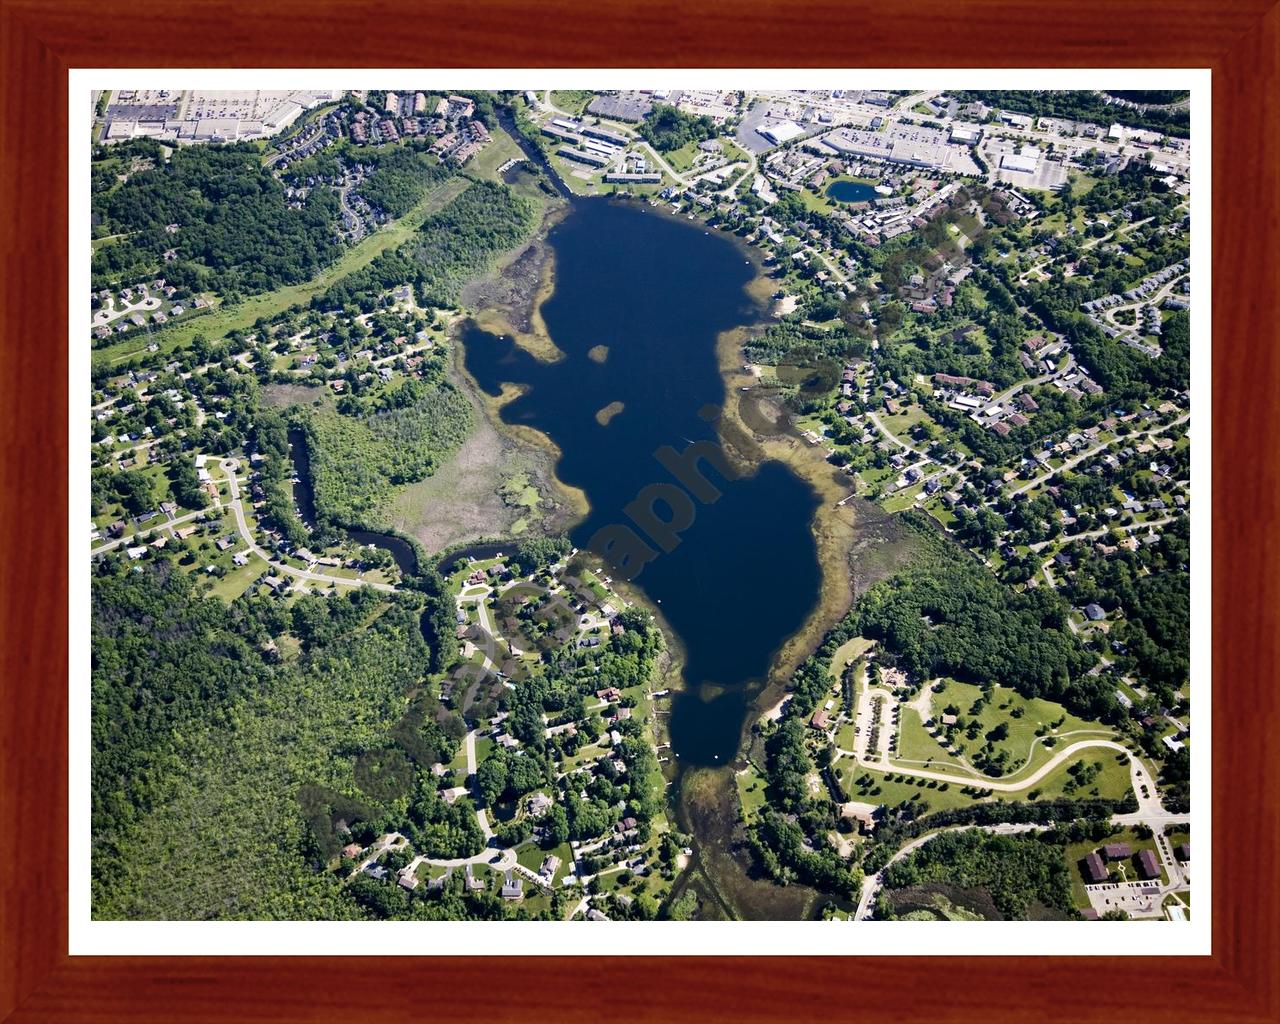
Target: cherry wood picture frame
(40, 41)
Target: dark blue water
(851, 192)
(741, 574)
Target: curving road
(625, 130)
(977, 780)
(872, 884)
(229, 466)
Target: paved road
(499, 860)
(168, 524)
(1040, 545)
(875, 421)
(657, 159)
(623, 129)
(1076, 460)
(1154, 299)
(1044, 378)
(977, 780)
(907, 103)
(872, 884)
(471, 753)
(752, 166)
(237, 507)
(943, 469)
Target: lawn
(244, 314)
(239, 579)
(1111, 783)
(845, 736)
(902, 499)
(750, 791)
(682, 159)
(459, 763)
(882, 791)
(901, 424)
(531, 856)
(878, 477)
(502, 147)
(572, 101)
(1123, 870)
(1023, 718)
(570, 171)
(849, 652)
(917, 748)
(940, 512)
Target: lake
(640, 299)
(851, 192)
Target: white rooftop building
(1020, 161)
(783, 131)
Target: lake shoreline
(515, 311)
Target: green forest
(946, 615)
(221, 212)
(237, 747)
(1080, 105)
(400, 178)
(356, 460)
(464, 238)
(202, 737)
(1017, 872)
(452, 246)
(666, 128)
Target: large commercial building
(919, 151)
(1018, 162)
(207, 115)
(782, 132)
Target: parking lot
(1137, 899)
(1049, 174)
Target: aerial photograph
(716, 504)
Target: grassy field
(239, 579)
(682, 159)
(849, 652)
(1124, 870)
(1023, 718)
(901, 424)
(936, 508)
(917, 748)
(916, 745)
(750, 785)
(902, 499)
(573, 101)
(246, 313)
(1111, 783)
(501, 148)
(881, 791)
